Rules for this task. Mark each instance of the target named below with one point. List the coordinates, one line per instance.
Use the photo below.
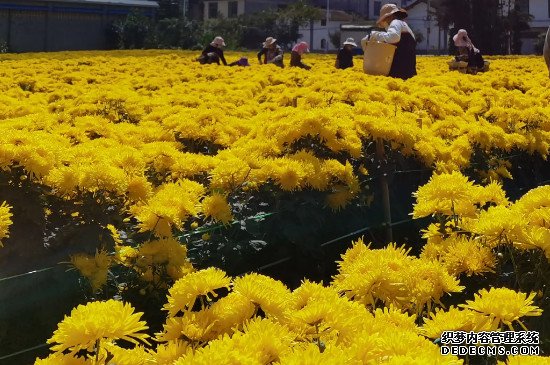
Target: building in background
(59, 25)
(540, 21)
(320, 33)
(212, 9)
(431, 38)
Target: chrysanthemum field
(164, 183)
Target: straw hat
(350, 41)
(389, 9)
(269, 41)
(218, 41)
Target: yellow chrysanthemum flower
(169, 207)
(166, 354)
(5, 221)
(166, 253)
(461, 255)
(114, 234)
(498, 225)
(446, 194)
(269, 294)
(217, 207)
(98, 321)
(503, 306)
(94, 268)
(396, 317)
(185, 291)
(311, 355)
(62, 359)
(454, 319)
(123, 356)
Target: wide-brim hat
(301, 48)
(218, 41)
(269, 41)
(390, 9)
(351, 42)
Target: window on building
(323, 43)
(377, 6)
(323, 22)
(232, 9)
(212, 10)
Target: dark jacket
(296, 60)
(218, 51)
(271, 55)
(344, 59)
(404, 58)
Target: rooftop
(139, 3)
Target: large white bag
(378, 57)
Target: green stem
(97, 347)
(318, 338)
(516, 274)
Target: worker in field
(296, 55)
(344, 59)
(466, 50)
(398, 33)
(271, 53)
(213, 53)
(546, 51)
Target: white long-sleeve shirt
(392, 33)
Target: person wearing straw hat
(213, 53)
(271, 53)
(398, 33)
(296, 55)
(344, 59)
(467, 51)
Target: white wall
(319, 32)
(539, 10)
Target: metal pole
(184, 8)
(428, 21)
(381, 157)
(328, 31)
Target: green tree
(335, 38)
(291, 18)
(481, 18)
(178, 33)
(132, 31)
(249, 31)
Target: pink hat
(301, 48)
(461, 39)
